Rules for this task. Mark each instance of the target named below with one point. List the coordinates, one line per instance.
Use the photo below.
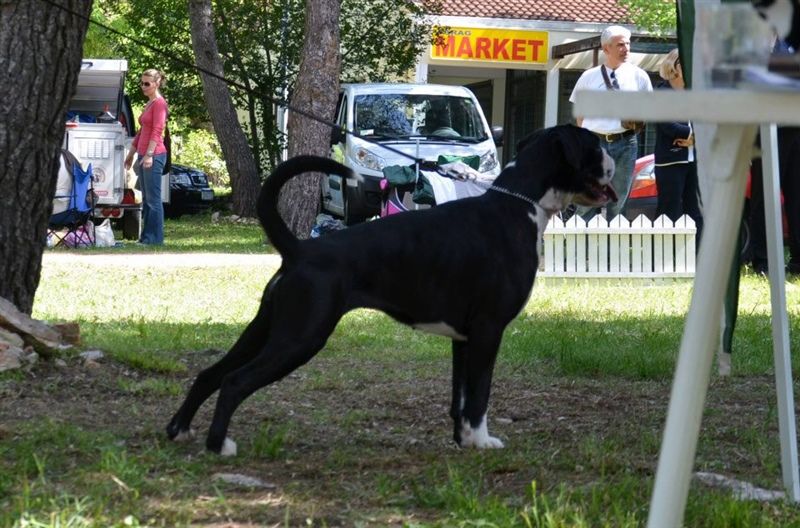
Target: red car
(643, 197)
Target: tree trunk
(40, 57)
(245, 182)
(316, 91)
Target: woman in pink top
(151, 156)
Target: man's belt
(610, 138)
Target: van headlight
(488, 162)
(368, 160)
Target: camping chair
(73, 205)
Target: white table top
(701, 106)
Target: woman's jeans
(152, 208)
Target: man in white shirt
(619, 141)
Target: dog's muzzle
(601, 192)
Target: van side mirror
(497, 135)
(337, 135)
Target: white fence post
(549, 243)
(620, 245)
(571, 240)
(684, 244)
(619, 249)
(660, 226)
(598, 244)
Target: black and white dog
(784, 16)
(463, 269)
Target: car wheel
(132, 224)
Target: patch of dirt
(370, 446)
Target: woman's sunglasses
(146, 84)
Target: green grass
(152, 316)
(64, 476)
(341, 463)
(195, 233)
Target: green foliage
(163, 41)
(656, 16)
(461, 495)
(270, 442)
(382, 39)
(199, 148)
(261, 43)
(99, 42)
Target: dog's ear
(574, 142)
(523, 143)
(570, 139)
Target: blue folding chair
(73, 226)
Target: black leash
(240, 86)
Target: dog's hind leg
(237, 386)
(480, 352)
(209, 380)
(302, 331)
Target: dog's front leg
(480, 352)
(459, 383)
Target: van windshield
(413, 115)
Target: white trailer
(100, 129)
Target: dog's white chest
(440, 328)
(539, 221)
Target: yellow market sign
(492, 45)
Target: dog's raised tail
(277, 230)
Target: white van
(421, 120)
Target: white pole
(729, 159)
(780, 321)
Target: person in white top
(618, 138)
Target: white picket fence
(601, 249)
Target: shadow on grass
(640, 348)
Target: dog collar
(514, 194)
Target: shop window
(525, 101)
(483, 92)
(566, 82)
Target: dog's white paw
(184, 436)
(479, 437)
(489, 442)
(492, 443)
(228, 448)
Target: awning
(646, 52)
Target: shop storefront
(523, 71)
